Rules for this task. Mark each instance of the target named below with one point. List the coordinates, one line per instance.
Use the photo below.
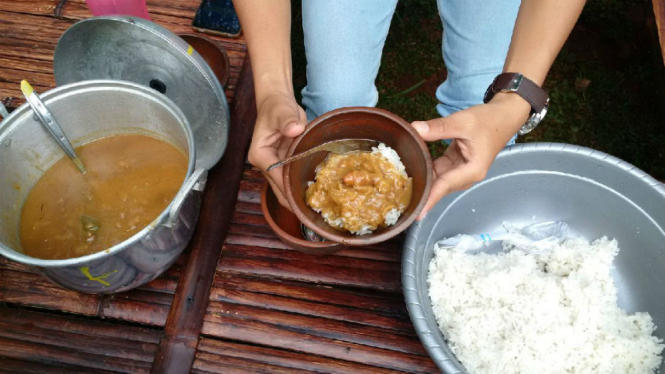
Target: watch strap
(519, 84)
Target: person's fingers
(262, 158)
(450, 127)
(275, 179)
(455, 179)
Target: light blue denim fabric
(344, 40)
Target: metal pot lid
(133, 49)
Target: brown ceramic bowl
(287, 227)
(358, 123)
(213, 54)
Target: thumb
(440, 128)
(290, 123)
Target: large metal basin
(87, 111)
(596, 194)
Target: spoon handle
(340, 146)
(47, 119)
(297, 157)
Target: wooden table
(238, 301)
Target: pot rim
(71, 89)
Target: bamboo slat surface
(273, 309)
(148, 304)
(29, 33)
(36, 342)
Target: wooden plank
(385, 303)
(259, 333)
(307, 325)
(316, 309)
(8, 365)
(223, 350)
(211, 364)
(256, 231)
(178, 346)
(288, 264)
(251, 219)
(47, 354)
(99, 345)
(29, 33)
(248, 208)
(66, 342)
(77, 325)
(252, 174)
(263, 236)
(259, 251)
(659, 13)
(34, 290)
(8, 264)
(144, 311)
(148, 304)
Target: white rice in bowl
(551, 312)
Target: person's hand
(279, 119)
(478, 134)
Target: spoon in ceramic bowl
(340, 146)
(47, 119)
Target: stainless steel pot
(87, 111)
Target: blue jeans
(344, 40)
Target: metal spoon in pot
(340, 146)
(3, 111)
(47, 119)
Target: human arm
(267, 29)
(481, 131)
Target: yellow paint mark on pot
(86, 271)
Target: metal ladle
(3, 111)
(47, 119)
(310, 235)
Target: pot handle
(195, 182)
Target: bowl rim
(280, 232)
(441, 354)
(390, 232)
(224, 80)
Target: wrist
(267, 85)
(514, 109)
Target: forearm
(267, 29)
(541, 28)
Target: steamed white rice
(392, 216)
(391, 156)
(552, 312)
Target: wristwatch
(529, 91)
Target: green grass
(621, 112)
